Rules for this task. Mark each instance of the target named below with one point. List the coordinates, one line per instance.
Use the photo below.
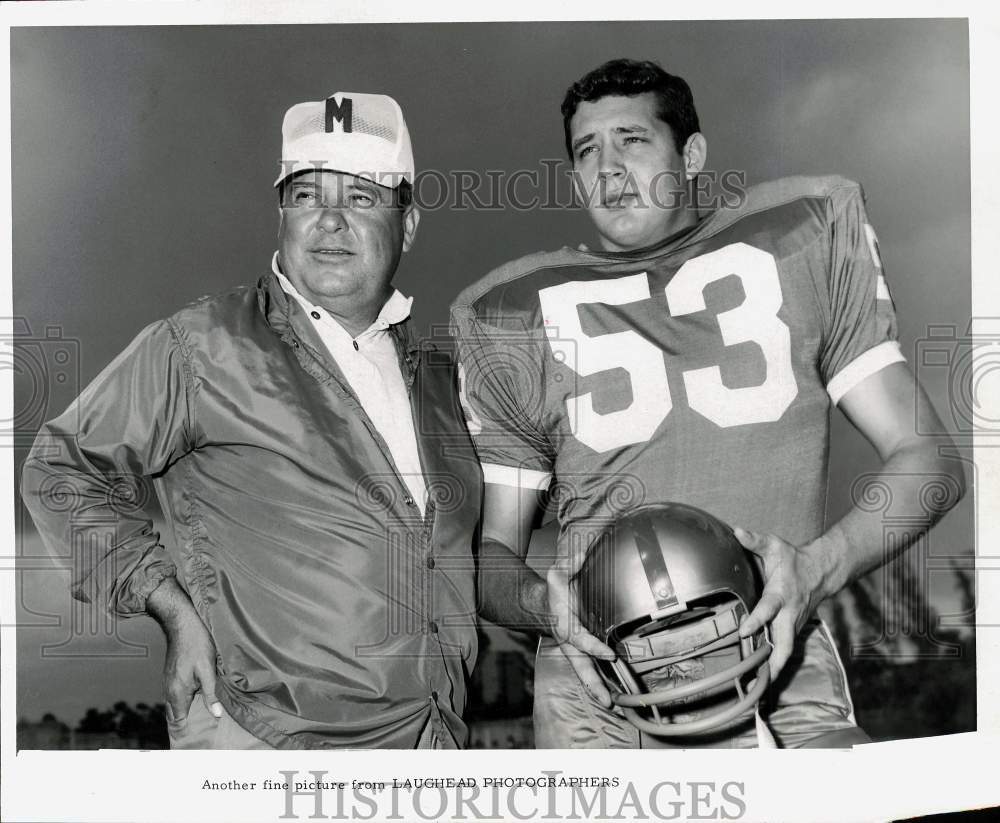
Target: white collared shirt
(370, 363)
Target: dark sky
(143, 160)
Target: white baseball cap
(360, 134)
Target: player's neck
(687, 221)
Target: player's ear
(411, 219)
(695, 154)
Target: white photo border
(880, 781)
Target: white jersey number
(755, 320)
(642, 360)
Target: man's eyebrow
(632, 129)
(581, 140)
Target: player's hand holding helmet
(666, 586)
(580, 648)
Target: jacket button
(433, 627)
(431, 563)
(408, 500)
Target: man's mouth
(619, 200)
(331, 252)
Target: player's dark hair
(627, 78)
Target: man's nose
(612, 164)
(332, 218)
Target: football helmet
(665, 586)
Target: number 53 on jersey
(754, 320)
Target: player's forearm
(918, 485)
(510, 593)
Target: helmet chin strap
(765, 740)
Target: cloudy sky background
(144, 157)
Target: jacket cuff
(131, 599)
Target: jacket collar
(283, 314)
(395, 310)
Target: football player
(693, 357)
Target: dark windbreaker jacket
(341, 617)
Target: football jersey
(700, 370)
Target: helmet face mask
(666, 586)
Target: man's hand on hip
(190, 662)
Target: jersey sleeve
(501, 386)
(861, 337)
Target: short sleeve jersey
(700, 370)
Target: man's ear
(411, 219)
(695, 154)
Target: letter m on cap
(341, 112)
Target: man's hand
(884, 408)
(515, 595)
(577, 644)
(794, 581)
(190, 662)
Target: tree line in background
(912, 671)
(123, 726)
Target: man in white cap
(312, 463)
